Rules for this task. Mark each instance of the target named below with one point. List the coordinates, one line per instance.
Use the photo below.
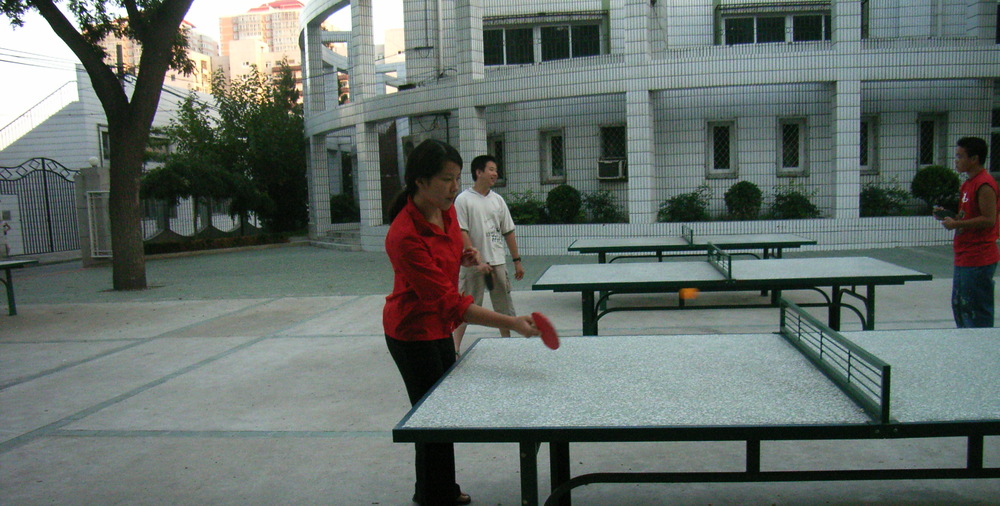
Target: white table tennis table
(834, 278)
(687, 244)
(808, 383)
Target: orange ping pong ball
(688, 293)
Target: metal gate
(46, 196)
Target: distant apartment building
(262, 37)
(202, 50)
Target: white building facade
(649, 99)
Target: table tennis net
(687, 233)
(861, 375)
(722, 261)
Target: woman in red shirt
(425, 247)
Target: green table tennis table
(687, 244)
(835, 278)
(806, 382)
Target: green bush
(937, 186)
(526, 209)
(793, 203)
(563, 204)
(883, 200)
(217, 243)
(743, 201)
(601, 208)
(692, 206)
(343, 209)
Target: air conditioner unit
(611, 170)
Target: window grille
(495, 148)
(720, 147)
(614, 142)
(792, 147)
(868, 146)
(553, 157)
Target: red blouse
(424, 304)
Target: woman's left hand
(470, 257)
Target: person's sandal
(462, 498)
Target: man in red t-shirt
(976, 230)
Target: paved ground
(261, 377)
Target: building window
(570, 41)
(613, 164)
(614, 142)
(995, 142)
(868, 146)
(553, 156)
(792, 148)
(931, 140)
(102, 131)
(763, 23)
(721, 153)
(542, 38)
(865, 19)
(510, 46)
(495, 148)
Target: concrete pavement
(261, 377)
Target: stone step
(341, 240)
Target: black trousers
(421, 364)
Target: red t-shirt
(424, 304)
(976, 247)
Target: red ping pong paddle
(549, 336)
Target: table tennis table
(8, 280)
(688, 243)
(842, 276)
(809, 382)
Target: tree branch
(90, 57)
(136, 20)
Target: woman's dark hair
(426, 160)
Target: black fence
(45, 191)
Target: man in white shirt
(487, 226)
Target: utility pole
(121, 63)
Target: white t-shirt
(486, 219)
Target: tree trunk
(128, 260)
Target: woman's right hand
(525, 326)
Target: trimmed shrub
(217, 243)
(692, 206)
(937, 186)
(601, 208)
(743, 201)
(881, 200)
(793, 203)
(526, 209)
(563, 204)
